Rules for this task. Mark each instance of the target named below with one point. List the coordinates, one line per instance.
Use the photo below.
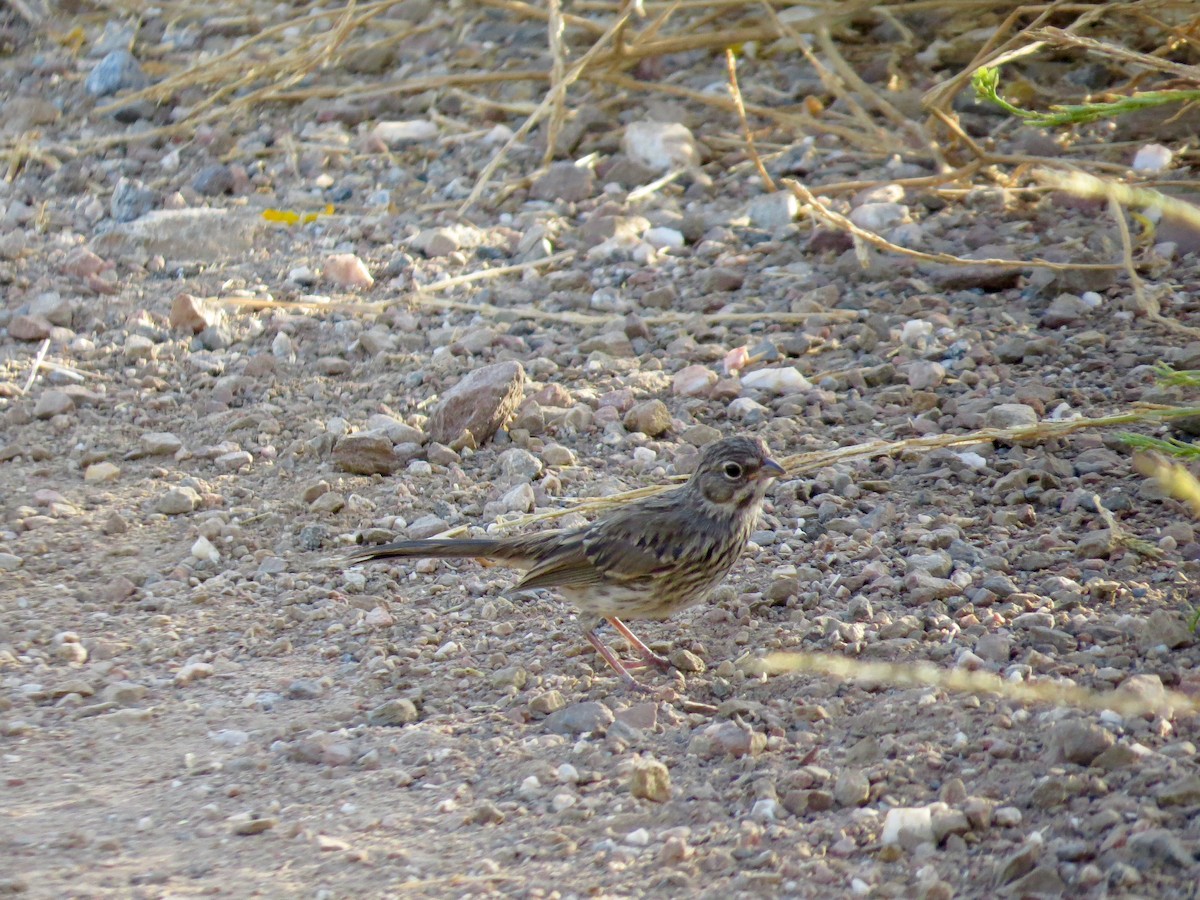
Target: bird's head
(735, 472)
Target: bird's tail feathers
(443, 549)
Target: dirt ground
(197, 695)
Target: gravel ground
(196, 697)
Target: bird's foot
(635, 686)
(648, 658)
(666, 693)
(651, 660)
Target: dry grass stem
(446, 284)
(1083, 185)
(963, 681)
(650, 188)
(298, 306)
(961, 175)
(558, 71)
(736, 93)
(802, 463)
(837, 220)
(37, 364)
(1061, 38)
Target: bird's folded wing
(620, 549)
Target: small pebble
(348, 271)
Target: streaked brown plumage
(645, 561)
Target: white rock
(1152, 158)
(1007, 816)
(405, 131)
(907, 826)
(914, 332)
(741, 407)
(771, 211)
(644, 456)
(692, 381)
(519, 499)
(500, 134)
(281, 348)
(662, 237)
(924, 374)
(879, 216)
(347, 270)
(639, 837)
(138, 346)
(204, 550)
(567, 774)
(882, 193)
(782, 380)
(766, 809)
(972, 459)
(662, 146)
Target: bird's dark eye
(733, 470)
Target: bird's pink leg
(611, 659)
(649, 657)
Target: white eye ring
(733, 470)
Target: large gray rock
(480, 404)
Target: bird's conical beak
(771, 469)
